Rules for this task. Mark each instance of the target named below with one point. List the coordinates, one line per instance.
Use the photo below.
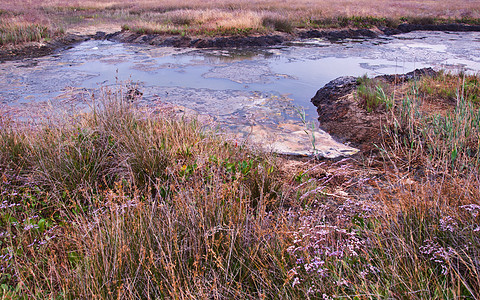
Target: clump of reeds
(13, 31)
(372, 94)
(449, 137)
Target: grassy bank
(123, 203)
(216, 17)
(21, 33)
(17, 31)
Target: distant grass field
(228, 17)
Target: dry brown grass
(126, 204)
(198, 17)
(328, 8)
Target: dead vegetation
(216, 17)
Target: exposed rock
(335, 89)
(415, 74)
(100, 35)
(341, 115)
(389, 30)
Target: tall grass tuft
(138, 205)
(371, 93)
(278, 23)
(448, 139)
(16, 32)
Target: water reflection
(242, 88)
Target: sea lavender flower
(474, 209)
(438, 254)
(295, 281)
(326, 297)
(448, 224)
(30, 227)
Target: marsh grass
(123, 202)
(418, 237)
(137, 206)
(215, 17)
(373, 94)
(13, 31)
(447, 134)
(353, 21)
(449, 87)
(199, 22)
(433, 209)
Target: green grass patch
(371, 93)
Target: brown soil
(38, 49)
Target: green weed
(371, 94)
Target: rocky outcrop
(341, 115)
(335, 89)
(417, 73)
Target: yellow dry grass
(213, 18)
(327, 8)
(225, 16)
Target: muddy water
(258, 94)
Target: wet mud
(259, 94)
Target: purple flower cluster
(474, 209)
(447, 223)
(438, 254)
(5, 204)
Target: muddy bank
(39, 49)
(341, 34)
(277, 38)
(342, 115)
(199, 42)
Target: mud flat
(39, 49)
(260, 94)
